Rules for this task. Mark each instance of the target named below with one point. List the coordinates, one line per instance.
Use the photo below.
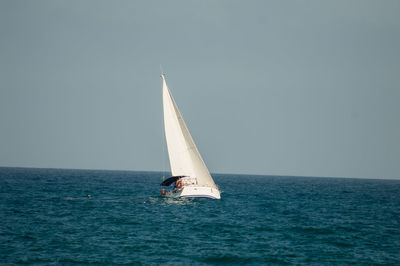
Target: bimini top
(171, 180)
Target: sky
(306, 88)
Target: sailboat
(190, 176)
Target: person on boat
(174, 187)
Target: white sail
(185, 159)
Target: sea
(67, 217)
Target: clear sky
(266, 87)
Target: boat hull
(197, 192)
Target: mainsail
(184, 158)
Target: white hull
(197, 192)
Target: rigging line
(163, 159)
(163, 156)
(161, 69)
(163, 137)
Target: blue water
(51, 216)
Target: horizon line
(225, 173)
